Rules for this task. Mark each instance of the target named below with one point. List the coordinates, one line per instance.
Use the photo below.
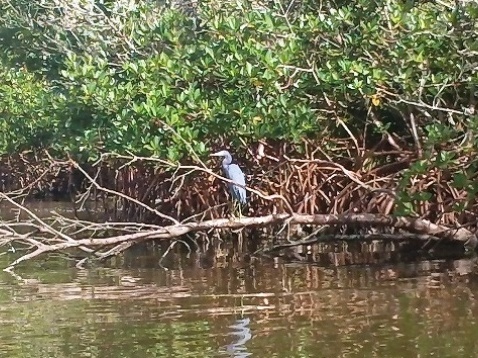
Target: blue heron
(234, 173)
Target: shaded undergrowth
(384, 180)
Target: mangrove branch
(413, 225)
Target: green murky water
(232, 310)
(228, 308)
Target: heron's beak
(215, 155)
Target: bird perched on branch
(234, 173)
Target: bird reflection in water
(242, 334)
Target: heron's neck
(227, 160)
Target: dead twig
(414, 225)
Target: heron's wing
(235, 173)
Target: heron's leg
(234, 209)
(240, 241)
(238, 208)
(231, 210)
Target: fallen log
(427, 229)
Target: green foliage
(27, 106)
(147, 78)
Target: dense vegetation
(352, 78)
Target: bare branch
(414, 225)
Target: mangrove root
(424, 229)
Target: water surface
(233, 309)
(355, 301)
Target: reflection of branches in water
(345, 302)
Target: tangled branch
(58, 241)
(180, 200)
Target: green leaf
(460, 181)
(248, 68)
